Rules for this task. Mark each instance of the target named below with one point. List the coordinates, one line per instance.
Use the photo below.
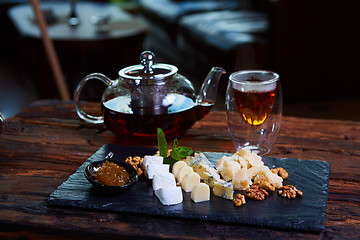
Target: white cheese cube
(241, 180)
(229, 169)
(182, 172)
(219, 164)
(153, 169)
(169, 195)
(252, 158)
(164, 179)
(151, 160)
(177, 166)
(200, 193)
(243, 152)
(189, 181)
(251, 172)
(223, 189)
(265, 174)
(243, 162)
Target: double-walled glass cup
(254, 109)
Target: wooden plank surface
(47, 142)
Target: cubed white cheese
(200, 193)
(151, 160)
(189, 181)
(229, 169)
(251, 172)
(163, 179)
(153, 169)
(241, 180)
(265, 174)
(169, 195)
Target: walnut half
(135, 162)
(239, 200)
(280, 172)
(268, 186)
(256, 193)
(289, 191)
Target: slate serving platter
(306, 213)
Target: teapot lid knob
(147, 59)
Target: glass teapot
(148, 96)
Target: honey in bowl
(111, 174)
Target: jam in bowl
(111, 175)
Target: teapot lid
(147, 69)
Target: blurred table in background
(82, 49)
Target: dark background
(313, 45)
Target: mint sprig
(177, 153)
(163, 147)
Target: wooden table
(47, 142)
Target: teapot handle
(83, 115)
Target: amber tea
(254, 105)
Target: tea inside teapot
(181, 113)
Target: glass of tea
(254, 109)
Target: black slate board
(306, 213)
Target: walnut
(255, 192)
(139, 170)
(281, 172)
(135, 161)
(289, 191)
(265, 185)
(239, 200)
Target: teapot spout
(208, 91)
(209, 87)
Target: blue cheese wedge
(169, 195)
(198, 158)
(210, 178)
(201, 165)
(223, 189)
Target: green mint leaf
(176, 143)
(184, 152)
(163, 147)
(175, 155)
